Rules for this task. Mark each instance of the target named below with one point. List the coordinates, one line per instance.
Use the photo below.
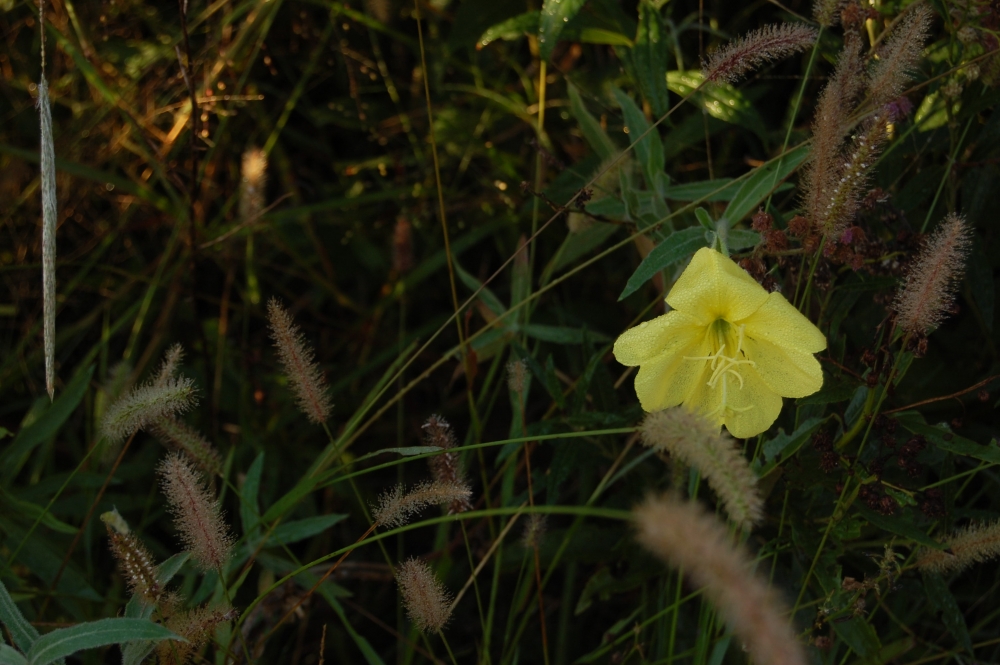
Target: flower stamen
(723, 365)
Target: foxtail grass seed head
(196, 627)
(171, 363)
(742, 55)
(47, 162)
(196, 512)
(299, 362)
(253, 184)
(446, 468)
(535, 526)
(827, 12)
(402, 246)
(517, 376)
(180, 437)
(974, 544)
(830, 127)
(396, 506)
(685, 536)
(427, 602)
(135, 561)
(143, 406)
(928, 291)
(899, 55)
(713, 452)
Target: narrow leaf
(596, 137)
(22, 632)
(67, 641)
(555, 15)
(649, 148)
(511, 29)
(677, 246)
(649, 57)
(764, 180)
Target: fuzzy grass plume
(427, 602)
(176, 435)
(830, 128)
(976, 543)
(446, 467)
(928, 291)
(396, 507)
(135, 561)
(299, 362)
(144, 405)
(899, 56)
(688, 538)
(742, 55)
(253, 184)
(196, 511)
(713, 452)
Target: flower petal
(777, 322)
(787, 371)
(746, 410)
(670, 378)
(713, 287)
(662, 335)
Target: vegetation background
(377, 135)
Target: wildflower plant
(728, 350)
(658, 333)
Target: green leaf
(944, 602)
(649, 57)
(488, 297)
(783, 446)
(67, 641)
(293, 532)
(250, 506)
(856, 406)
(834, 390)
(947, 440)
(511, 29)
(761, 183)
(704, 218)
(44, 427)
(676, 247)
(580, 243)
(591, 129)
(11, 656)
(723, 189)
(859, 635)
(901, 526)
(649, 149)
(591, 35)
(738, 239)
(555, 15)
(22, 632)
(723, 102)
(558, 334)
(11, 505)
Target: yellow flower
(729, 350)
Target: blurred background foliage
(527, 108)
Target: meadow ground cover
(578, 331)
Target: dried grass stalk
(47, 162)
